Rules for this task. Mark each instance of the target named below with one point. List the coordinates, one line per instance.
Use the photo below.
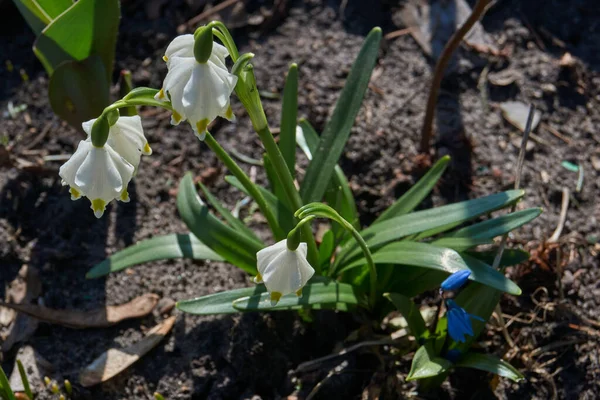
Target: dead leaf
(99, 318)
(505, 77)
(516, 113)
(115, 361)
(23, 290)
(36, 368)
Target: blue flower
(456, 280)
(459, 321)
(453, 355)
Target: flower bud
(456, 280)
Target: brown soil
(251, 355)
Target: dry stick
(440, 67)
(213, 10)
(563, 216)
(518, 174)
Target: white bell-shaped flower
(126, 137)
(282, 270)
(99, 173)
(199, 92)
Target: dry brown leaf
(115, 361)
(24, 289)
(99, 318)
(516, 113)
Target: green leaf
(230, 244)
(410, 312)
(460, 243)
(509, 256)
(24, 380)
(337, 130)
(125, 87)
(88, 27)
(433, 221)
(79, 90)
(425, 364)
(5, 386)
(218, 303)
(412, 281)
(157, 248)
(415, 195)
(339, 194)
(441, 259)
(53, 8)
(490, 363)
(285, 217)
(227, 215)
(32, 12)
(289, 115)
(498, 226)
(320, 295)
(326, 248)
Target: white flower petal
(179, 74)
(127, 138)
(265, 256)
(87, 126)
(69, 169)
(181, 46)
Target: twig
(204, 15)
(478, 11)
(563, 216)
(556, 133)
(518, 173)
(398, 33)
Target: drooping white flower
(99, 173)
(126, 137)
(199, 92)
(282, 270)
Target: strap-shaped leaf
(509, 256)
(415, 195)
(460, 243)
(410, 312)
(289, 115)
(230, 244)
(5, 389)
(284, 216)
(498, 226)
(227, 215)
(490, 363)
(435, 220)
(53, 8)
(218, 303)
(157, 248)
(34, 14)
(87, 27)
(338, 195)
(337, 130)
(326, 248)
(441, 259)
(319, 295)
(426, 365)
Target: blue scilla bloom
(459, 321)
(456, 280)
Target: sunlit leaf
(490, 363)
(289, 111)
(410, 312)
(425, 364)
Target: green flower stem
(221, 31)
(283, 173)
(248, 184)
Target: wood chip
(516, 113)
(114, 361)
(36, 368)
(99, 318)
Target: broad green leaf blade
(78, 90)
(53, 8)
(490, 363)
(157, 248)
(326, 248)
(509, 257)
(412, 281)
(289, 115)
(88, 27)
(32, 12)
(320, 295)
(498, 226)
(460, 243)
(441, 259)
(218, 303)
(438, 219)
(337, 130)
(225, 241)
(227, 215)
(410, 312)
(339, 194)
(415, 195)
(425, 364)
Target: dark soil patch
(247, 355)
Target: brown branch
(440, 67)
